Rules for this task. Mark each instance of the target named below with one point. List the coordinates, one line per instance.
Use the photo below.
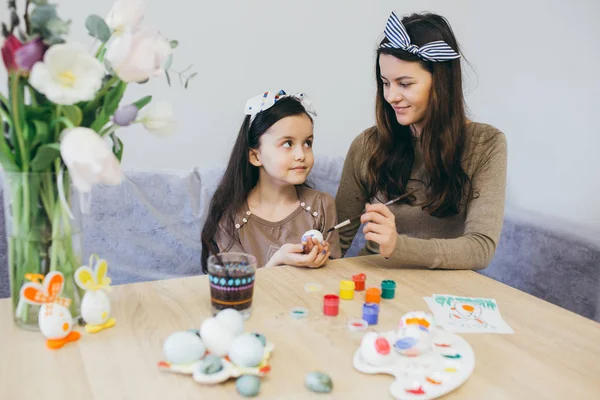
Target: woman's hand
(380, 228)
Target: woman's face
(407, 87)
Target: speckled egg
(376, 349)
(210, 364)
(232, 319)
(246, 351)
(248, 385)
(318, 382)
(262, 338)
(183, 348)
(216, 336)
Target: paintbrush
(350, 220)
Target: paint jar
(331, 305)
(371, 313)
(359, 282)
(388, 289)
(373, 295)
(346, 290)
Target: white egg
(55, 321)
(246, 351)
(216, 336)
(314, 234)
(413, 340)
(232, 319)
(183, 348)
(95, 307)
(375, 349)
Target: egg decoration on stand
(218, 351)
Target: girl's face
(285, 151)
(407, 87)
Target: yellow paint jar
(346, 290)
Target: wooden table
(554, 354)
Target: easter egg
(232, 319)
(210, 364)
(318, 382)
(313, 233)
(216, 336)
(246, 351)
(95, 307)
(262, 338)
(248, 385)
(55, 322)
(183, 348)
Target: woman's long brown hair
(443, 136)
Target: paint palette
(432, 374)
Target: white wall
(534, 76)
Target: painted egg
(210, 364)
(248, 385)
(246, 351)
(216, 336)
(262, 338)
(183, 348)
(95, 307)
(232, 319)
(56, 322)
(318, 382)
(313, 233)
(375, 349)
(412, 341)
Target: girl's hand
(293, 254)
(310, 243)
(380, 228)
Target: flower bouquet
(60, 116)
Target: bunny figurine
(95, 306)
(54, 318)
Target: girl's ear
(254, 157)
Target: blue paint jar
(371, 313)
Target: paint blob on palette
(427, 362)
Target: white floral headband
(266, 100)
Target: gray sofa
(149, 227)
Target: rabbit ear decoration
(101, 270)
(84, 277)
(93, 280)
(35, 293)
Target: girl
(262, 205)
(423, 140)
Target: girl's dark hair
(240, 176)
(444, 132)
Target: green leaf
(97, 28)
(41, 15)
(44, 157)
(42, 132)
(168, 77)
(7, 161)
(143, 102)
(117, 147)
(168, 62)
(110, 105)
(189, 78)
(174, 43)
(73, 114)
(39, 2)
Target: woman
(423, 141)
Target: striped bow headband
(266, 100)
(398, 38)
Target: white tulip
(67, 75)
(89, 159)
(137, 56)
(126, 14)
(157, 117)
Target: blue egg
(318, 382)
(248, 385)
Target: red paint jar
(331, 305)
(359, 282)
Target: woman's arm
(351, 195)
